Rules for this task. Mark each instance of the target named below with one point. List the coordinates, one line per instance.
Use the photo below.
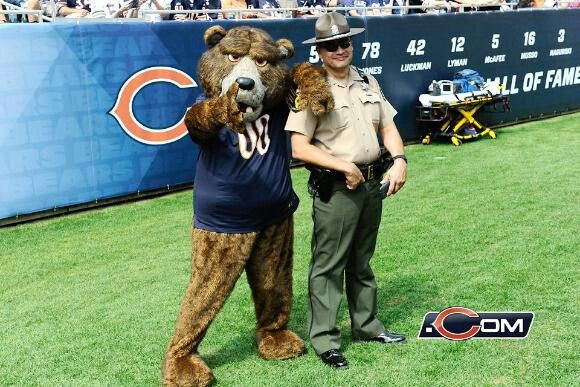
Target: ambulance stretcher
(453, 117)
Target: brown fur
(314, 89)
(218, 259)
(217, 262)
(246, 41)
(187, 371)
(205, 119)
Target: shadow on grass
(403, 296)
(398, 299)
(239, 346)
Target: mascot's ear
(285, 48)
(213, 35)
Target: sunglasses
(333, 45)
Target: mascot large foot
(279, 345)
(186, 371)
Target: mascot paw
(280, 344)
(314, 88)
(186, 371)
(233, 117)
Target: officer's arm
(303, 150)
(397, 175)
(392, 139)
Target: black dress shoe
(387, 338)
(334, 359)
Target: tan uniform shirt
(349, 132)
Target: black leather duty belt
(371, 171)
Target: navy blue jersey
(242, 183)
(180, 5)
(263, 4)
(311, 3)
(363, 3)
(77, 4)
(194, 4)
(208, 4)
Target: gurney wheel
(455, 141)
(492, 134)
(426, 140)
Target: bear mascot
(243, 202)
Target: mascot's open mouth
(244, 108)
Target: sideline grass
(91, 299)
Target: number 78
(371, 49)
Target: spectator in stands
(265, 4)
(570, 4)
(13, 18)
(437, 6)
(376, 5)
(2, 16)
(114, 9)
(314, 7)
(536, 4)
(397, 3)
(155, 5)
(236, 4)
(43, 5)
(73, 8)
(440, 6)
(482, 5)
(208, 4)
(179, 5)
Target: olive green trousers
(343, 242)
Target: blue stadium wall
(62, 144)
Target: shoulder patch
(293, 98)
(362, 75)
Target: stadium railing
(283, 12)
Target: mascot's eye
(261, 62)
(233, 58)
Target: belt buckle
(370, 172)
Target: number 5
(314, 58)
(495, 40)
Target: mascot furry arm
(206, 118)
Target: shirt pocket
(372, 108)
(339, 118)
(333, 126)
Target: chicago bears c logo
(123, 109)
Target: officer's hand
(354, 176)
(397, 175)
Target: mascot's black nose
(245, 83)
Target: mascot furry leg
(217, 263)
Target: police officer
(346, 225)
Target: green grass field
(91, 299)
